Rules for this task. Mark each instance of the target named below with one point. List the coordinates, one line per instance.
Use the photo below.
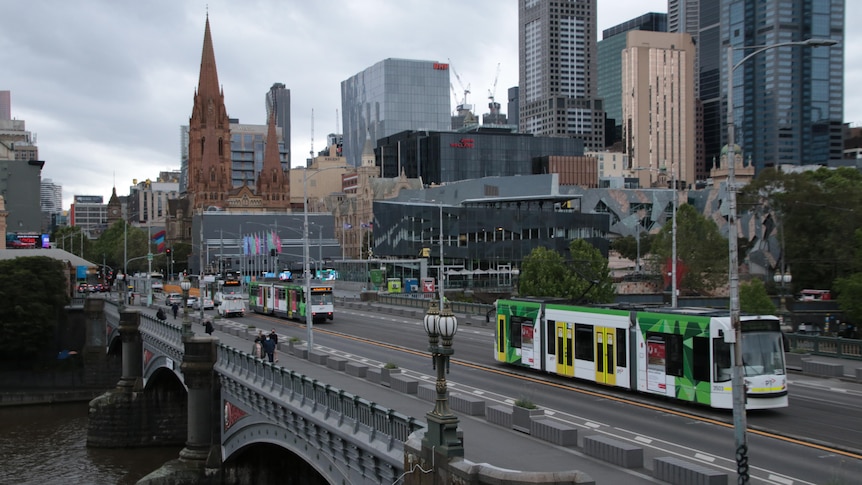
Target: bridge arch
(266, 460)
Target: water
(47, 444)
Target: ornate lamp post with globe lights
(442, 433)
(186, 285)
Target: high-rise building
(90, 214)
(51, 201)
(278, 102)
(659, 107)
(702, 20)
(557, 70)
(609, 75)
(5, 105)
(392, 96)
(788, 101)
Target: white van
(232, 305)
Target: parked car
(191, 301)
(207, 303)
(172, 298)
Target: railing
(378, 422)
(838, 347)
(422, 303)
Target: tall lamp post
(186, 285)
(738, 390)
(442, 433)
(783, 279)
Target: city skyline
(105, 101)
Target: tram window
(721, 357)
(550, 340)
(673, 349)
(700, 359)
(621, 347)
(515, 330)
(584, 342)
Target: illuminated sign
(463, 143)
(440, 66)
(325, 289)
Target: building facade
(51, 203)
(609, 70)
(787, 101)
(278, 102)
(443, 157)
(557, 71)
(659, 114)
(392, 96)
(90, 213)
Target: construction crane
(493, 105)
(463, 105)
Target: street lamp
(122, 279)
(783, 279)
(442, 432)
(186, 285)
(738, 390)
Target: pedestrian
(274, 337)
(161, 314)
(208, 325)
(175, 308)
(257, 349)
(269, 348)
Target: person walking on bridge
(269, 348)
(274, 337)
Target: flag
(270, 242)
(348, 226)
(277, 244)
(257, 249)
(369, 225)
(159, 240)
(245, 245)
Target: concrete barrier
(466, 403)
(427, 392)
(614, 451)
(859, 374)
(337, 363)
(680, 472)
(554, 431)
(499, 414)
(375, 375)
(402, 383)
(356, 369)
(318, 357)
(827, 369)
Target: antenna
(312, 135)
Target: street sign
(149, 256)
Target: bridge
(235, 416)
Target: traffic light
(168, 251)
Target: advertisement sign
(81, 272)
(656, 376)
(411, 285)
(428, 285)
(394, 285)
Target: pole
(149, 264)
(201, 291)
(738, 390)
(440, 269)
(308, 319)
(673, 287)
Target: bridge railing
(365, 417)
(839, 347)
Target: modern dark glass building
(788, 101)
(278, 102)
(609, 68)
(392, 96)
(443, 157)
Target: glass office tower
(788, 101)
(392, 96)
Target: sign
(462, 143)
(394, 285)
(428, 285)
(439, 66)
(656, 375)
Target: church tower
(209, 165)
(272, 184)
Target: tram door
(565, 349)
(606, 366)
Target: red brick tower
(209, 165)
(273, 186)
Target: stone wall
(132, 419)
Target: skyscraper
(788, 101)
(278, 102)
(609, 75)
(5, 105)
(392, 96)
(557, 70)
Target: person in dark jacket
(175, 308)
(208, 326)
(269, 348)
(274, 337)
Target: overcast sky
(105, 84)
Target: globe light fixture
(442, 433)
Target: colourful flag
(348, 226)
(277, 244)
(159, 240)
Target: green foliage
(526, 403)
(849, 296)
(700, 248)
(390, 365)
(628, 246)
(544, 272)
(34, 291)
(753, 298)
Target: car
(207, 303)
(191, 301)
(172, 298)
(83, 288)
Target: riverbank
(26, 397)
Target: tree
(701, 250)
(628, 246)
(35, 293)
(544, 272)
(849, 297)
(753, 298)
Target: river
(47, 444)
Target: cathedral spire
(208, 86)
(272, 183)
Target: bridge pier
(197, 368)
(133, 349)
